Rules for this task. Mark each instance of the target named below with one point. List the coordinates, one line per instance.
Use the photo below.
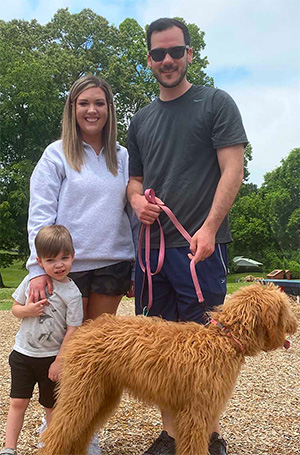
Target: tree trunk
(1, 281)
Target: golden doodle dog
(186, 368)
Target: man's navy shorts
(174, 295)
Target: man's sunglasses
(176, 52)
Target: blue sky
(254, 52)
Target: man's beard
(165, 84)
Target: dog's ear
(289, 320)
(277, 318)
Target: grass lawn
(13, 275)
(234, 280)
(234, 277)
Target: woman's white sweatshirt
(92, 204)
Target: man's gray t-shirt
(42, 336)
(172, 145)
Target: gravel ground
(262, 418)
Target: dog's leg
(74, 424)
(191, 432)
(87, 397)
(103, 406)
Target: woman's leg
(85, 302)
(101, 303)
(15, 420)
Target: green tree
(265, 221)
(250, 227)
(281, 193)
(39, 63)
(247, 188)
(247, 157)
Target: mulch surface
(262, 417)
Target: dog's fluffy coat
(185, 368)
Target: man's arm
(146, 212)
(231, 162)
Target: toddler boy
(45, 328)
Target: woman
(80, 182)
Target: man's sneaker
(217, 445)
(163, 445)
(94, 448)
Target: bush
(283, 260)
(294, 268)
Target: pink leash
(150, 196)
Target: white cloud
(260, 41)
(271, 118)
(253, 50)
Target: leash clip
(145, 311)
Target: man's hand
(202, 245)
(54, 370)
(146, 212)
(38, 285)
(35, 309)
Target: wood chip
(262, 417)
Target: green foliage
(281, 193)
(284, 260)
(196, 75)
(14, 196)
(247, 158)
(250, 227)
(39, 63)
(265, 222)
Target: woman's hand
(37, 287)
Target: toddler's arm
(55, 367)
(31, 309)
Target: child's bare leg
(15, 419)
(48, 412)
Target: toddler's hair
(51, 240)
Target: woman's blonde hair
(71, 137)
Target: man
(188, 145)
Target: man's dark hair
(164, 24)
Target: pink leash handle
(150, 196)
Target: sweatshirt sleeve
(45, 186)
(135, 229)
(133, 219)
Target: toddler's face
(57, 267)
